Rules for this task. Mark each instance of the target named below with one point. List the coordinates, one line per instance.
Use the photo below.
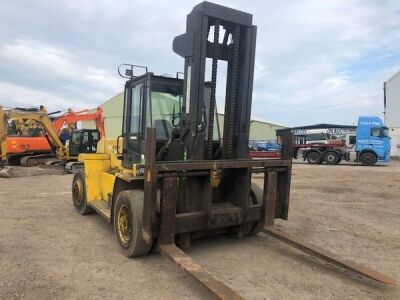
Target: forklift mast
(233, 39)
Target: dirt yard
(48, 251)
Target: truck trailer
(369, 145)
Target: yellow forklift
(175, 177)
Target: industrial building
(392, 112)
(260, 130)
(334, 130)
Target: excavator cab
(83, 141)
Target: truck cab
(320, 136)
(372, 141)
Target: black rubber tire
(368, 159)
(79, 198)
(313, 158)
(132, 201)
(331, 158)
(256, 196)
(250, 228)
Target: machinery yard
(95, 201)
(48, 251)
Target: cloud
(49, 70)
(18, 96)
(310, 54)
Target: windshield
(165, 112)
(385, 131)
(76, 136)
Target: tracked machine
(174, 178)
(82, 141)
(29, 150)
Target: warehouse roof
(323, 125)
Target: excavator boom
(69, 118)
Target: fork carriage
(232, 203)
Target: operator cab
(156, 101)
(83, 141)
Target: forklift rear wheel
(79, 194)
(314, 158)
(331, 158)
(368, 159)
(128, 223)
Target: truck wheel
(368, 159)
(314, 158)
(331, 158)
(128, 223)
(79, 194)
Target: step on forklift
(179, 179)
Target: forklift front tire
(252, 228)
(79, 194)
(128, 223)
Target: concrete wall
(113, 110)
(392, 112)
(395, 142)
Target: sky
(316, 61)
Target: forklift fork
(216, 286)
(172, 252)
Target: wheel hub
(124, 225)
(77, 192)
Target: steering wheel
(175, 117)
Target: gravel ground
(48, 251)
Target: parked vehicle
(264, 149)
(369, 145)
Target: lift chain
(213, 89)
(233, 93)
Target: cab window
(385, 131)
(165, 108)
(375, 132)
(136, 109)
(85, 140)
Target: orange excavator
(27, 144)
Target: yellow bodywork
(100, 170)
(99, 182)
